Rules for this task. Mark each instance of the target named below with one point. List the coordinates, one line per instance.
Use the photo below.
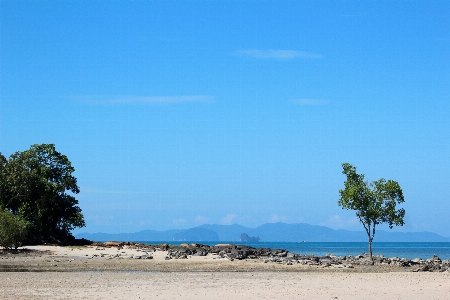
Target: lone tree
(38, 185)
(375, 203)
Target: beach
(54, 272)
(224, 285)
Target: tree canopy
(38, 185)
(13, 230)
(375, 203)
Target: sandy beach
(53, 272)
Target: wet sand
(71, 273)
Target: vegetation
(38, 186)
(375, 203)
(13, 230)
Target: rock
(325, 260)
(112, 244)
(200, 252)
(224, 245)
(163, 247)
(248, 239)
(436, 258)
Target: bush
(13, 230)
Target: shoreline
(57, 272)
(114, 256)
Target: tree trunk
(370, 247)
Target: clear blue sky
(180, 113)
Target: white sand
(217, 285)
(90, 251)
(210, 285)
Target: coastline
(115, 256)
(57, 272)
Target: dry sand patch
(224, 285)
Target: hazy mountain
(145, 235)
(270, 232)
(228, 232)
(197, 234)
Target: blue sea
(402, 250)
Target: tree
(375, 203)
(3, 184)
(38, 185)
(13, 230)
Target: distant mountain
(145, 235)
(270, 232)
(197, 234)
(228, 233)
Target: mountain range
(269, 232)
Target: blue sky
(180, 113)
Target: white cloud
(144, 99)
(228, 219)
(201, 219)
(179, 221)
(339, 222)
(308, 101)
(100, 220)
(277, 54)
(277, 218)
(145, 222)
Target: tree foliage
(13, 230)
(375, 203)
(38, 185)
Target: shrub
(13, 230)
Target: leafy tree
(3, 184)
(38, 185)
(375, 203)
(12, 230)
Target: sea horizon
(409, 250)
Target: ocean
(402, 250)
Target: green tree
(3, 184)
(38, 185)
(375, 203)
(13, 230)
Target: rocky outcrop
(248, 239)
(280, 256)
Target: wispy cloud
(228, 219)
(277, 218)
(144, 99)
(100, 220)
(308, 101)
(277, 54)
(339, 222)
(179, 221)
(201, 219)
